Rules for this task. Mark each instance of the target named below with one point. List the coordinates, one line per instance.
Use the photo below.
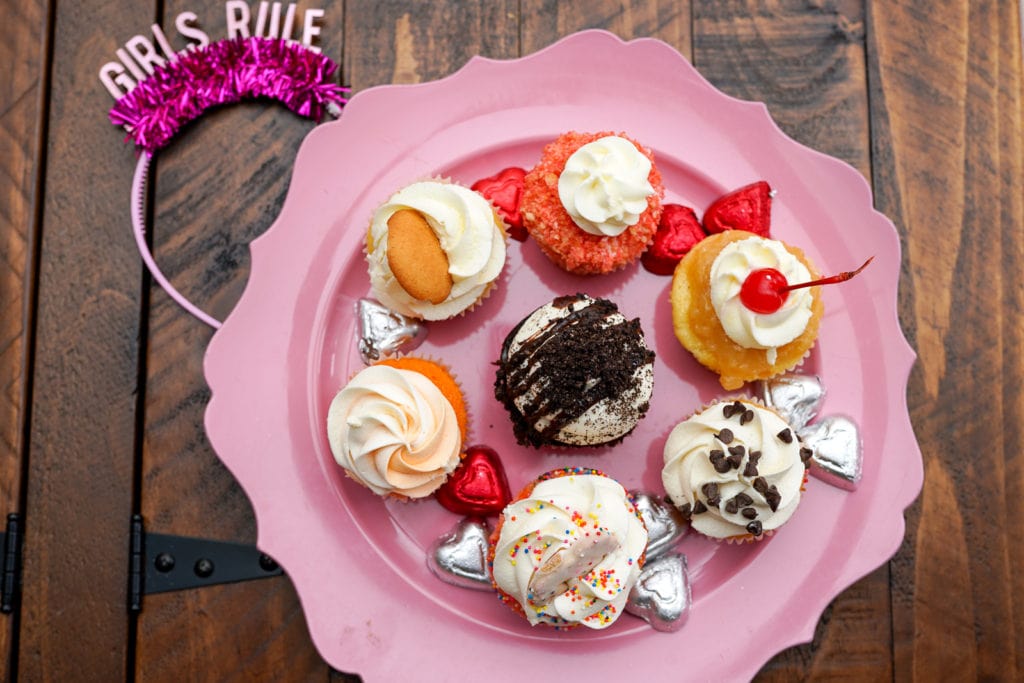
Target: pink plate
(357, 562)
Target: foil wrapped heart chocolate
(838, 452)
(382, 331)
(797, 398)
(504, 189)
(459, 557)
(478, 486)
(661, 596)
(665, 523)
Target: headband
(219, 73)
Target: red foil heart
(478, 486)
(748, 208)
(505, 190)
(678, 231)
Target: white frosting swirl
(394, 432)
(689, 469)
(604, 186)
(470, 233)
(570, 552)
(745, 327)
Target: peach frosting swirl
(394, 432)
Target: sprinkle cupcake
(568, 549)
(575, 372)
(398, 427)
(593, 201)
(720, 312)
(735, 469)
(434, 250)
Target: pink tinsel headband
(219, 73)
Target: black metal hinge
(10, 579)
(158, 563)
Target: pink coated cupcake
(593, 201)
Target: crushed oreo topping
(785, 436)
(749, 513)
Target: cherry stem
(841, 277)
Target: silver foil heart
(796, 397)
(838, 453)
(661, 596)
(665, 524)
(459, 557)
(382, 331)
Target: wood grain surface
(102, 409)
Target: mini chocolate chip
(699, 507)
(749, 513)
(737, 450)
(755, 527)
(750, 470)
(725, 436)
(735, 460)
(746, 417)
(731, 507)
(716, 454)
(773, 498)
(785, 436)
(709, 489)
(755, 456)
(686, 509)
(729, 410)
(722, 466)
(715, 500)
(805, 454)
(743, 500)
(761, 485)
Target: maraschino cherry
(765, 290)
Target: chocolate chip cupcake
(574, 373)
(735, 469)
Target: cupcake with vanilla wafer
(398, 427)
(735, 469)
(435, 249)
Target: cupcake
(575, 372)
(735, 469)
(434, 250)
(398, 427)
(593, 201)
(729, 328)
(568, 549)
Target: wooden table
(102, 408)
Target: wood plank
(946, 115)
(545, 21)
(82, 433)
(219, 185)
(808, 67)
(23, 44)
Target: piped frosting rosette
(398, 427)
(736, 469)
(471, 237)
(568, 550)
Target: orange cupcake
(398, 427)
(593, 201)
(568, 549)
(713, 321)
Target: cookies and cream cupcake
(593, 201)
(735, 469)
(398, 427)
(435, 249)
(575, 372)
(720, 312)
(568, 549)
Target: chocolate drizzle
(572, 364)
